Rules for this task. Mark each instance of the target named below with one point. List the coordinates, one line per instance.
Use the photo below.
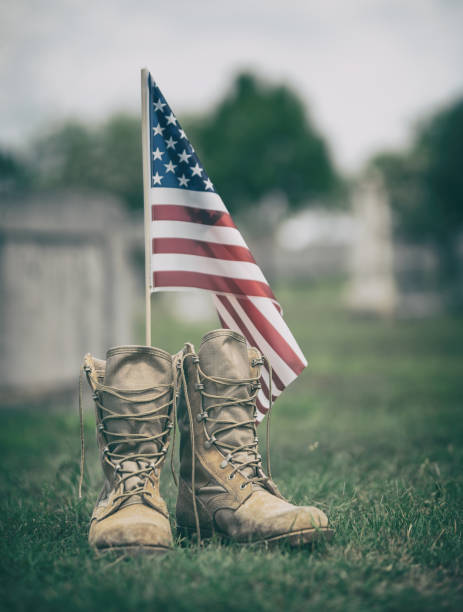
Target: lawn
(372, 432)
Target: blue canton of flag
(174, 162)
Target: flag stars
(184, 157)
(157, 178)
(171, 120)
(157, 154)
(158, 130)
(182, 133)
(208, 184)
(196, 170)
(170, 167)
(183, 181)
(170, 142)
(159, 105)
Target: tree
(426, 187)
(260, 140)
(105, 158)
(257, 141)
(15, 174)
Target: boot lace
(229, 451)
(148, 462)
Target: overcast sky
(367, 69)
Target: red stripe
(247, 334)
(166, 212)
(261, 408)
(273, 337)
(266, 390)
(186, 246)
(212, 282)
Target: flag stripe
(199, 247)
(195, 231)
(211, 282)
(237, 322)
(272, 312)
(165, 212)
(169, 196)
(262, 402)
(269, 345)
(272, 336)
(163, 262)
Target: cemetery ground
(372, 433)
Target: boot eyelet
(202, 416)
(195, 359)
(100, 427)
(210, 442)
(243, 484)
(231, 476)
(199, 386)
(224, 464)
(95, 396)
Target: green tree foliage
(105, 158)
(14, 172)
(259, 140)
(426, 186)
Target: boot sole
(132, 550)
(294, 538)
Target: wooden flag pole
(145, 142)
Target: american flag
(196, 245)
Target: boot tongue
(131, 369)
(224, 353)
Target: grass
(372, 432)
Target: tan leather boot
(134, 393)
(233, 497)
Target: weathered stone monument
(68, 287)
(372, 287)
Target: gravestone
(372, 287)
(68, 287)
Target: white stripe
(263, 399)
(186, 197)
(189, 289)
(265, 375)
(281, 368)
(269, 311)
(196, 231)
(166, 262)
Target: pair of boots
(223, 490)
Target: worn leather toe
(135, 525)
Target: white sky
(367, 69)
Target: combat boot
(223, 489)
(134, 395)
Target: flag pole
(146, 198)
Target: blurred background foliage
(425, 186)
(258, 140)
